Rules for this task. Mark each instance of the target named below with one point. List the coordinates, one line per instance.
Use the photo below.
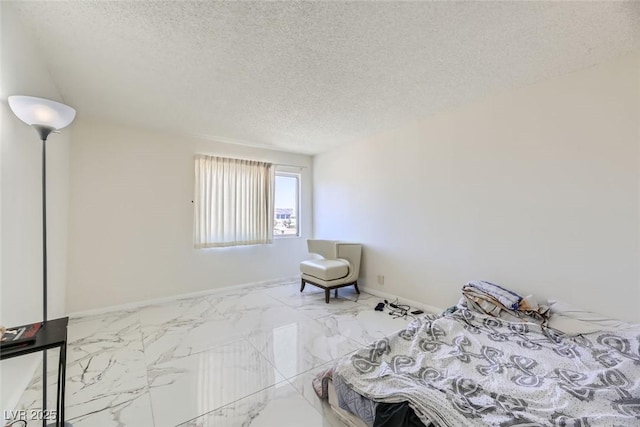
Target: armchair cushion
(325, 269)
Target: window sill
(285, 236)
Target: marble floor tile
(280, 405)
(108, 387)
(264, 317)
(311, 301)
(108, 371)
(93, 335)
(296, 347)
(95, 382)
(364, 326)
(234, 304)
(292, 291)
(97, 326)
(185, 388)
(275, 283)
(316, 308)
(161, 345)
(128, 408)
(183, 328)
(175, 315)
(245, 356)
(31, 398)
(105, 358)
(362, 298)
(122, 408)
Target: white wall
(21, 211)
(536, 189)
(131, 219)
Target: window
(286, 207)
(233, 202)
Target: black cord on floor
(396, 310)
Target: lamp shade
(41, 112)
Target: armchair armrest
(351, 252)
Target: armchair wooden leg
(335, 293)
(327, 293)
(302, 283)
(355, 285)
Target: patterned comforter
(468, 369)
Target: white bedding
(474, 370)
(572, 320)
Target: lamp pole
(44, 275)
(44, 133)
(44, 230)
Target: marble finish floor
(239, 358)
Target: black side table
(52, 334)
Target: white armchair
(338, 267)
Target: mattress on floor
(469, 368)
(347, 417)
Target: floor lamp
(45, 116)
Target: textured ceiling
(306, 77)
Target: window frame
(298, 177)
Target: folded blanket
(507, 298)
(494, 300)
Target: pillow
(574, 320)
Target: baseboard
(139, 304)
(144, 303)
(414, 304)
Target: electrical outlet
(380, 279)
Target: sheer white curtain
(233, 202)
